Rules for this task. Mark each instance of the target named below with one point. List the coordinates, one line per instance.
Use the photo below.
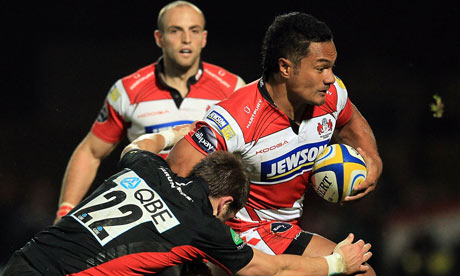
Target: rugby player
(145, 218)
(273, 123)
(174, 90)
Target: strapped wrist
(169, 136)
(64, 209)
(336, 264)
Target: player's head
(290, 36)
(228, 182)
(298, 51)
(181, 34)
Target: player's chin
(184, 64)
(320, 98)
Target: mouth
(324, 90)
(185, 51)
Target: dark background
(59, 59)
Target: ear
(205, 39)
(158, 37)
(223, 204)
(285, 66)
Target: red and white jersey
(142, 103)
(280, 153)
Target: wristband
(64, 209)
(169, 136)
(336, 264)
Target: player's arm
(347, 258)
(81, 171)
(183, 157)
(156, 142)
(358, 134)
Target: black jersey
(141, 220)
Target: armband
(336, 264)
(64, 209)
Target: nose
(186, 37)
(329, 78)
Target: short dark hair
(289, 36)
(226, 175)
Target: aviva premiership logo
(236, 238)
(223, 125)
(292, 163)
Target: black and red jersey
(141, 220)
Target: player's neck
(279, 95)
(177, 77)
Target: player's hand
(181, 131)
(354, 254)
(374, 170)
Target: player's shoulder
(338, 87)
(138, 81)
(337, 90)
(336, 97)
(216, 69)
(135, 157)
(245, 106)
(220, 76)
(247, 97)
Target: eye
(173, 31)
(196, 31)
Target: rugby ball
(336, 171)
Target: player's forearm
(300, 265)
(81, 170)
(156, 142)
(263, 264)
(80, 173)
(358, 133)
(149, 142)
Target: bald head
(175, 4)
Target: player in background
(145, 218)
(176, 89)
(273, 123)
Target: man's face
(311, 79)
(183, 36)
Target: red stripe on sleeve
(147, 262)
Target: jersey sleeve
(224, 246)
(218, 131)
(343, 103)
(110, 125)
(205, 139)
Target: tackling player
(175, 90)
(146, 218)
(273, 123)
